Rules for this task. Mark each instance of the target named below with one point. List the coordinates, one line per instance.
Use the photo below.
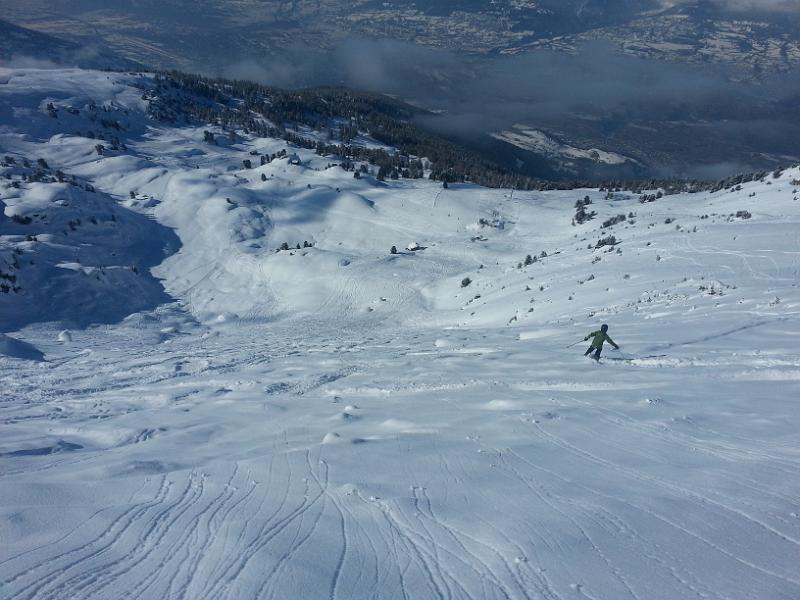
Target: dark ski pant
(596, 351)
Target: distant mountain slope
(19, 44)
(191, 36)
(755, 43)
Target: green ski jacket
(600, 338)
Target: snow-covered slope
(337, 421)
(529, 138)
(75, 255)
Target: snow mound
(331, 438)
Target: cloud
(18, 61)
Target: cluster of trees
(389, 166)
(285, 246)
(531, 259)
(668, 187)
(606, 241)
(94, 113)
(581, 214)
(38, 171)
(620, 218)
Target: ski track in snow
(339, 423)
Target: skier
(597, 343)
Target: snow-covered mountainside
(218, 381)
(530, 138)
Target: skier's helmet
(604, 328)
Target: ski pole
(575, 344)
